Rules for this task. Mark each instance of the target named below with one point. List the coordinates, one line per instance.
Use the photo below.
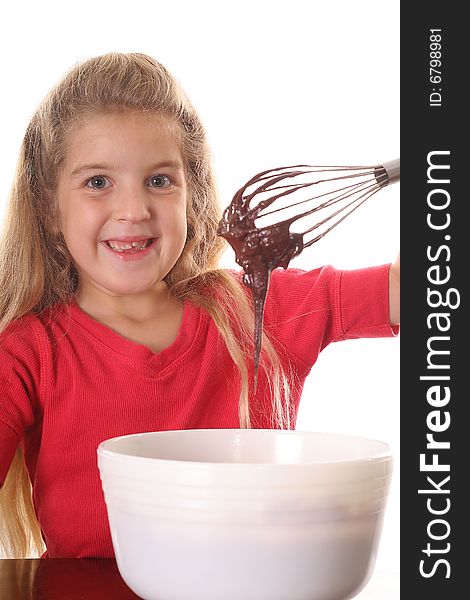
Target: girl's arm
(394, 291)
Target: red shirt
(68, 382)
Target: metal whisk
(257, 223)
(255, 200)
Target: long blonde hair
(36, 270)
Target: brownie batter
(259, 250)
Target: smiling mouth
(129, 247)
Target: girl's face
(122, 203)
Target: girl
(114, 316)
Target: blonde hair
(36, 270)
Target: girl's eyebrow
(172, 164)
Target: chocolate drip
(259, 250)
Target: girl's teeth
(123, 246)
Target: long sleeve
(20, 376)
(307, 310)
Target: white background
(275, 83)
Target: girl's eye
(160, 181)
(97, 183)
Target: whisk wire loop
(261, 246)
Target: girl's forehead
(108, 130)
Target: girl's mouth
(129, 247)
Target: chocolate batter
(259, 250)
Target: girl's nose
(132, 206)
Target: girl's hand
(394, 291)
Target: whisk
(257, 223)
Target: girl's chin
(121, 287)
(129, 289)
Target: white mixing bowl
(231, 514)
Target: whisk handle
(392, 167)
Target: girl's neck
(136, 308)
(152, 318)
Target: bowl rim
(386, 455)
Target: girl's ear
(52, 216)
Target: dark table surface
(62, 579)
(99, 579)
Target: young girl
(114, 317)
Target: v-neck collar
(114, 341)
